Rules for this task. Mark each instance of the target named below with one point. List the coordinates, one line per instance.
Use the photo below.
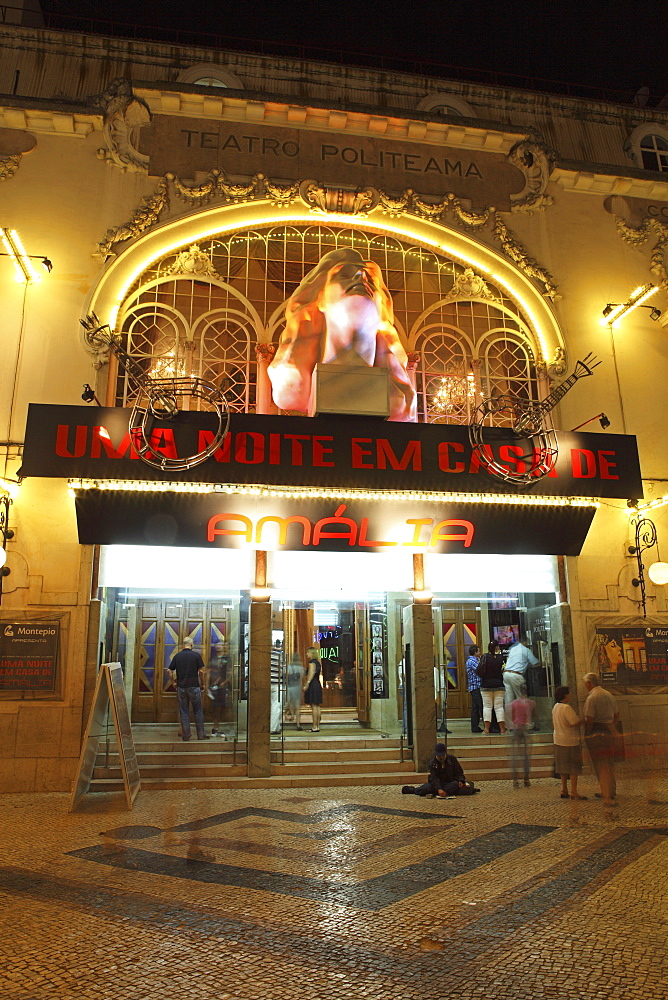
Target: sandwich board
(109, 691)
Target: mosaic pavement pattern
(341, 893)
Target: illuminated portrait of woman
(340, 314)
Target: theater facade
(324, 359)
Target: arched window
(210, 75)
(203, 310)
(179, 327)
(448, 105)
(648, 147)
(654, 152)
(470, 350)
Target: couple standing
(488, 680)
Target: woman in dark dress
(313, 686)
(490, 672)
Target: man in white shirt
(600, 712)
(515, 671)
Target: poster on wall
(29, 655)
(635, 655)
(379, 679)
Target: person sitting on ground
(446, 777)
(567, 743)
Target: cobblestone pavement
(335, 893)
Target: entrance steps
(314, 762)
(365, 758)
(486, 758)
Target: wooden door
(460, 628)
(161, 628)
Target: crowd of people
(497, 689)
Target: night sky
(608, 46)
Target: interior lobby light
(615, 311)
(422, 596)
(260, 594)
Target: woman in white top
(567, 745)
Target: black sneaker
(408, 790)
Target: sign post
(109, 690)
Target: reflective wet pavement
(355, 892)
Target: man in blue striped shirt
(473, 684)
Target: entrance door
(342, 634)
(459, 628)
(161, 628)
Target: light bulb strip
(650, 505)
(22, 263)
(635, 299)
(323, 493)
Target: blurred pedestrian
(520, 712)
(600, 712)
(294, 680)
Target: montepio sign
(186, 146)
(28, 655)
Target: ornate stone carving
(558, 367)
(413, 360)
(535, 161)
(321, 198)
(265, 352)
(395, 207)
(279, 195)
(514, 249)
(429, 210)
(124, 115)
(194, 262)
(9, 165)
(636, 236)
(470, 220)
(148, 213)
(469, 285)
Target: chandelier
(454, 392)
(168, 366)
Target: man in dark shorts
(187, 669)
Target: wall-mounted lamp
(88, 395)
(645, 531)
(5, 534)
(615, 311)
(601, 417)
(22, 260)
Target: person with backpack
(490, 672)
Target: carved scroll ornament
(124, 116)
(637, 236)
(535, 161)
(514, 249)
